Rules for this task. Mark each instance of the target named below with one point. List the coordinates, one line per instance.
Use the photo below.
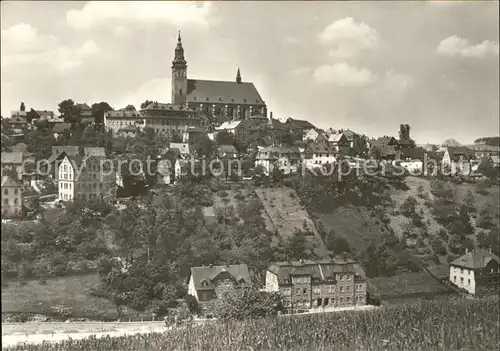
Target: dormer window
(204, 283)
(208, 99)
(232, 99)
(194, 98)
(220, 99)
(244, 100)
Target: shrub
(409, 206)
(248, 303)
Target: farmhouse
(475, 270)
(207, 283)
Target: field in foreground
(427, 325)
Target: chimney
(271, 115)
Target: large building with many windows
(318, 284)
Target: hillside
(283, 207)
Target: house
(12, 161)
(89, 176)
(227, 151)
(286, 159)
(166, 166)
(476, 270)
(85, 113)
(311, 134)
(319, 154)
(192, 134)
(482, 150)
(384, 147)
(340, 142)
(208, 283)
(457, 160)
(17, 123)
(234, 127)
(12, 196)
(60, 129)
(121, 119)
(129, 131)
(299, 126)
(318, 284)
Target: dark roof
(435, 155)
(216, 91)
(388, 150)
(319, 271)
(61, 127)
(403, 142)
(349, 134)
(456, 152)
(163, 106)
(383, 141)
(208, 274)
(475, 259)
(303, 124)
(12, 157)
(83, 106)
(98, 151)
(413, 153)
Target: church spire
(238, 76)
(179, 52)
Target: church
(198, 102)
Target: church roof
(217, 91)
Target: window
(348, 288)
(6, 201)
(341, 300)
(297, 291)
(341, 277)
(348, 299)
(468, 281)
(305, 291)
(15, 191)
(15, 201)
(6, 191)
(316, 290)
(348, 277)
(319, 302)
(454, 278)
(341, 289)
(461, 279)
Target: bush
(439, 249)
(247, 303)
(408, 208)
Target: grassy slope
(360, 229)
(287, 214)
(73, 292)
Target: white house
(285, 158)
(316, 155)
(457, 159)
(475, 270)
(312, 134)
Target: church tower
(179, 75)
(238, 76)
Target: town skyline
(363, 66)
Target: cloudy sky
(367, 66)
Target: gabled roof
(218, 92)
(495, 159)
(229, 125)
(475, 259)
(183, 148)
(10, 182)
(319, 271)
(337, 138)
(61, 127)
(207, 274)
(83, 106)
(12, 157)
(413, 153)
(383, 141)
(299, 123)
(456, 152)
(349, 134)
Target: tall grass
(428, 325)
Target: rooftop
(203, 277)
(475, 259)
(216, 91)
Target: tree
(247, 303)
(408, 207)
(470, 202)
(69, 111)
(485, 218)
(225, 137)
(98, 110)
(146, 104)
(130, 108)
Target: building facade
(85, 177)
(318, 284)
(117, 121)
(12, 196)
(214, 99)
(208, 283)
(475, 270)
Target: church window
(180, 91)
(194, 98)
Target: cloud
(23, 45)
(157, 89)
(182, 13)
(341, 74)
(397, 82)
(348, 38)
(456, 46)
